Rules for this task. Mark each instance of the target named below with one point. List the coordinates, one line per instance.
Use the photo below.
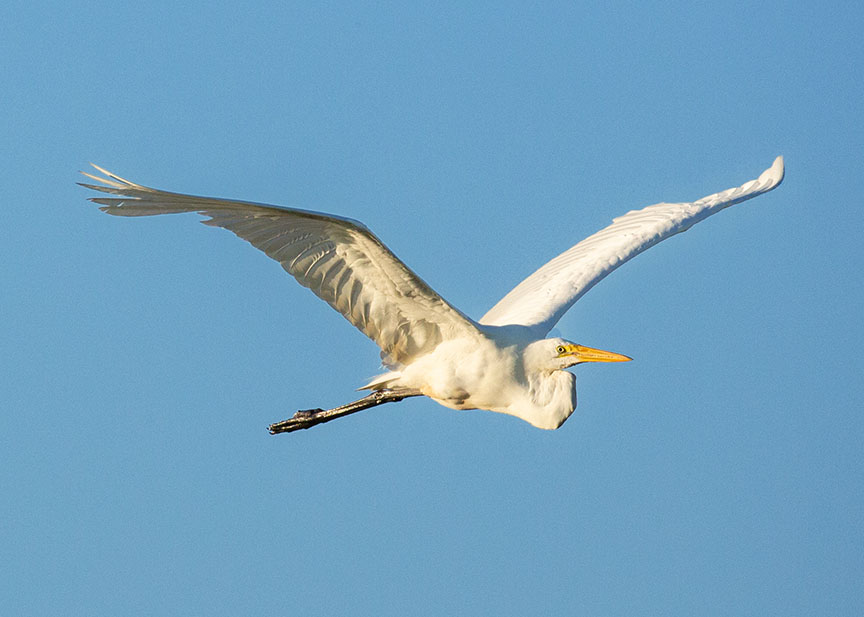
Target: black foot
(307, 413)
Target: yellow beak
(588, 354)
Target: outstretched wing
(542, 299)
(339, 259)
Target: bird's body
(500, 370)
(502, 362)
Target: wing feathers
(542, 299)
(339, 259)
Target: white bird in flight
(503, 362)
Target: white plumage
(500, 363)
(542, 299)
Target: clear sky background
(142, 359)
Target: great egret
(503, 362)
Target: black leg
(306, 418)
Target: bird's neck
(554, 398)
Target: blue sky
(718, 474)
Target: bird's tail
(383, 381)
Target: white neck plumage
(553, 395)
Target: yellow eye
(560, 349)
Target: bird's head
(554, 354)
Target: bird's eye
(560, 349)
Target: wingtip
(100, 169)
(774, 175)
(109, 179)
(102, 181)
